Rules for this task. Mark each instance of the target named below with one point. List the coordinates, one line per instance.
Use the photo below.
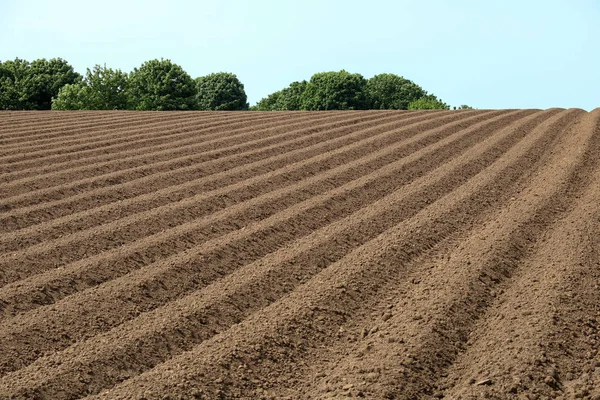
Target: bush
(335, 91)
(429, 102)
(102, 89)
(289, 98)
(31, 86)
(392, 92)
(220, 92)
(161, 85)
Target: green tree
(161, 85)
(48, 76)
(14, 80)
(392, 92)
(335, 91)
(289, 98)
(102, 89)
(31, 86)
(70, 97)
(268, 103)
(429, 102)
(344, 91)
(222, 91)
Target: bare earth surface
(359, 254)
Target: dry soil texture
(360, 254)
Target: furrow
(76, 129)
(51, 254)
(432, 315)
(540, 334)
(104, 133)
(177, 192)
(124, 167)
(163, 136)
(380, 215)
(297, 185)
(210, 137)
(23, 117)
(64, 134)
(26, 127)
(177, 174)
(241, 360)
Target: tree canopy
(71, 97)
(222, 91)
(32, 85)
(14, 82)
(429, 102)
(288, 99)
(48, 77)
(102, 89)
(392, 92)
(345, 91)
(332, 90)
(161, 85)
(269, 103)
(335, 91)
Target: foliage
(70, 97)
(289, 98)
(48, 77)
(161, 85)
(344, 91)
(463, 107)
(392, 92)
(221, 92)
(31, 86)
(102, 89)
(429, 102)
(335, 91)
(14, 79)
(269, 103)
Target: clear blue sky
(501, 54)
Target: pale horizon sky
(509, 54)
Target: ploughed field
(360, 254)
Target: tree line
(162, 85)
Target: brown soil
(382, 255)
